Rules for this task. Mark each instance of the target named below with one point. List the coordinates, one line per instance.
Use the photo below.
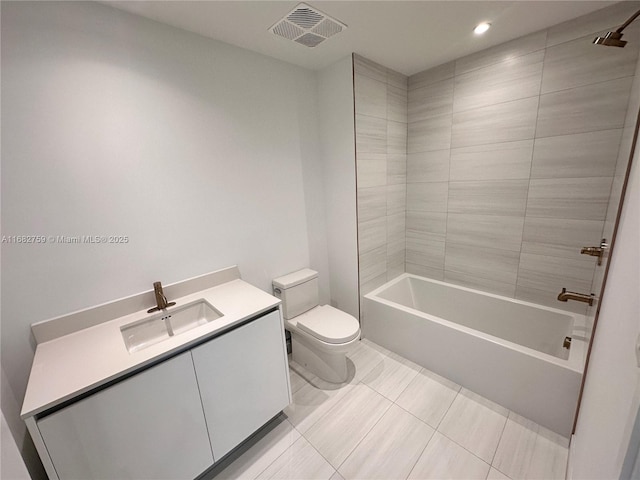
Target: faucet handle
(596, 251)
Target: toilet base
(329, 366)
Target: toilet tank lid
(295, 278)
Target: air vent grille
(327, 28)
(305, 17)
(307, 26)
(310, 40)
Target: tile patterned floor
(394, 420)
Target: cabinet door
(149, 426)
(243, 379)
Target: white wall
(612, 389)
(11, 464)
(203, 154)
(337, 139)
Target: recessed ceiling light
(481, 28)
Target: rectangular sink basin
(143, 333)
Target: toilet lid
(329, 324)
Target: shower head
(614, 39)
(611, 39)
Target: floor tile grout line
(388, 354)
(463, 447)
(285, 451)
(421, 453)
(504, 427)
(365, 435)
(335, 470)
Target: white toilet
(321, 336)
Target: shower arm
(626, 24)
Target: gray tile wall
(512, 155)
(381, 162)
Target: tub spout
(579, 297)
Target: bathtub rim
(576, 352)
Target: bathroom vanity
(122, 400)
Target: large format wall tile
(428, 166)
(424, 271)
(396, 199)
(396, 168)
(434, 133)
(491, 197)
(503, 52)
(491, 231)
(372, 234)
(372, 263)
(601, 106)
(551, 274)
(396, 138)
(381, 165)
(495, 161)
(427, 197)
(504, 122)
(578, 62)
(396, 226)
(433, 75)
(372, 170)
(425, 251)
(430, 101)
(590, 154)
(561, 237)
(370, 97)
(363, 66)
(397, 104)
(514, 79)
(578, 198)
(433, 224)
(491, 263)
(372, 203)
(371, 134)
(525, 145)
(397, 80)
(479, 283)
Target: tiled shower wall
(381, 159)
(511, 156)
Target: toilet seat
(329, 325)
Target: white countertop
(68, 366)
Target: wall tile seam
(482, 247)
(476, 276)
(570, 178)
(386, 82)
(429, 117)
(506, 60)
(616, 79)
(495, 104)
(480, 277)
(578, 133)
(454, 113)
(370, 116)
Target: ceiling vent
(307, 26)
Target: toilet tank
(298, 292)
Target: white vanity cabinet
(149, 426)
(243, 380)
(175, 419)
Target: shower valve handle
(596, 251)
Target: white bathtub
(507, 350)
